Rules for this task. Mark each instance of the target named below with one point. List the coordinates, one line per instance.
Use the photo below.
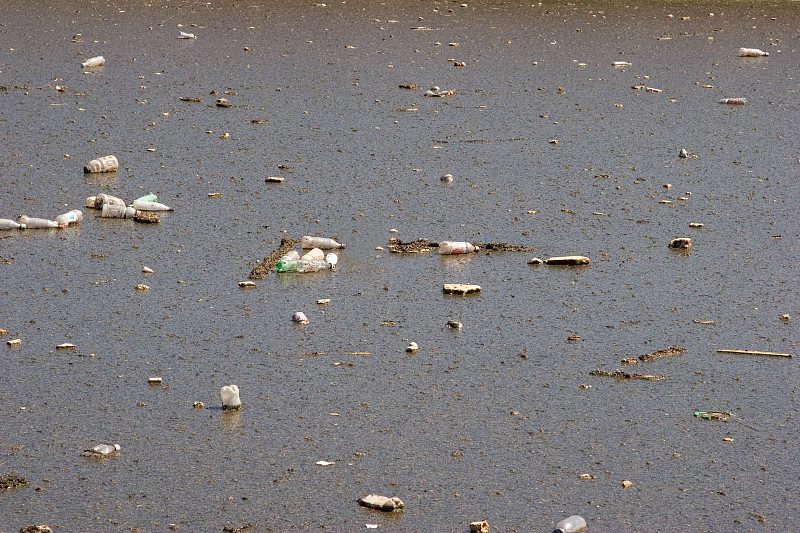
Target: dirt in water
(263, 269)
(424, 245)
(12, 482)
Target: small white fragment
(147, 270)
(230, 397)
(300, 317)
(325, 463)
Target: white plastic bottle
(144, 205)
(71, 217)
(230, 397)
(320, 242)
(102, 450)
(7, 223)
(118, 211)
(37, 223)
(752, 52)
(315, 254)
(573, 524)
(448, 247)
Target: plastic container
(448, 247)
(106, 199)
(37, 223)
(144, 205)
(752, 52)
(106, 163)
(733, 101)
(302, 265)
(573, 524)
(118, 211)
(332, 259)
(294, 254)
(7, 223)
(97, 61)
(71, 217)
(320, 242)
(150, 197)
(230, 397)
(315, 254)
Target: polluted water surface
(562, 125)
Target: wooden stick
(752, 352)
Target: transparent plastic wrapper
(449, 247)
(106, 163)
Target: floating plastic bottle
(106, 163)
(320, 242)
(733, 101)
(294, 254)
(573, 524)
(448, 247)
(7, 223)
(144, 205)
(97, 61)
(102, 450)
(332, 259)
(118, 211)
(184, 35)
(300, 317)
(302, 265)
(37, 223)
(752, 52)
(315, 254)
(103, 199)
(71, 217)
(230, 397)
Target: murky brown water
(489, 422)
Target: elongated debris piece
(753, 352)
(658, 354)
(619, 374)
(713, 415)
(570, 260)
(381, 503)
(460, 288)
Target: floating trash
(230, 397)
(184, 35)
(713, 415)
(381, 503)
(752, 52)
(97, 61)
(683, 243)
(108, 163)
(300, 317)
(102, 450)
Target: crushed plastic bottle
(573, 524)
(294, 254)
(118, 211)
(320, 242)
(70, 217)
(448, 247)
(103, 199)
(106, 163)
(37, 223)
(302, 265)
(733, 101)
(332, 259)
(146, 205)
(149, 197)
(184, 35)
(7, 223)
(102, 450)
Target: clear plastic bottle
(118, 211)
(145, 205)
(7, 223)
(573, 524)
(320, 242)
(294, 254)
(71, 217)
(448, 247)
(315, 254)
(107, 163)
(37, 223)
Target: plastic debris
(325, 463)
(752, 52)
(230, 397)
(683, 243)
(447, 178)
(65, 346)
(753, 352)
(573, 524)
(436, 92)
(412, 347)
(570, 260)
(7, 223)
(381, 503)
(320, 242)
(97, 61)
(449, 247)
(454, 324)
(734, 101)
(299, 317)
(481, 526)
(184, 35)
(156, 380)
(107, 163)
(37, 223)
(713, 415)
(102, 450)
